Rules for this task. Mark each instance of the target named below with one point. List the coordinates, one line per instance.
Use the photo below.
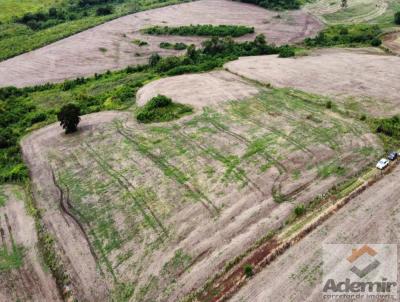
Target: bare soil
(109, 46)
(31, 281)
(366, 75)
(392, 42)
(198, 90)
(164, 207)
(372, 217)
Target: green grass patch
(201, 30)
(11, 259)
(330, 170)
(162, 109)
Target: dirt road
(109, 46)
(372, 217)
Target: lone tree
(344, 3)
(69, 117)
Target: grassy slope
(17, 38)
(11, 8)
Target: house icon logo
(357, 253)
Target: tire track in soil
(162, 165)
(221, 158)
(126, 185)
(66, 210)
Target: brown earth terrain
(198, 90)
(372, 217)
(153, 207)
(364, 75)
(392, 42)
(110, 46)
(28, 280)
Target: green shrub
(201, 30)
(275, 4)
(161, 109)
(286, 52)
(299, 210)
(397, 18)
(376, 42)
(248, 270)
(154, 59)
(140, 42)
(104, 11)
(176, 46)
(328, 105)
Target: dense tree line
(201, 30)
(275, 4)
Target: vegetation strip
(201, 30)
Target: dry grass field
(110, 46)
(151, 208)
(364, 77)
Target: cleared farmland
(22, 274)
(362, 77)
(110, 46)
(154, 207)
(372, 217)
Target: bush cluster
(388, 126)
(176, 46)
(201, 30)
(351, 35)
(397, 18)
(161, 109)
(275, 4)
